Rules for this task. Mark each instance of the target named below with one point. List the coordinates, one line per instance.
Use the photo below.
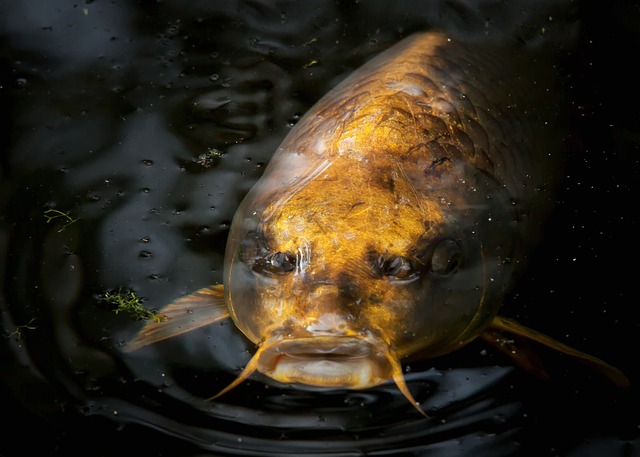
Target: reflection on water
(147, 125)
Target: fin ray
(503, 324)
(203, 307)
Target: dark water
(147, 122)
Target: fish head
(377, 232)
(340, 275)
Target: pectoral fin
(203, 307)
(500, 326)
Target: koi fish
(392, 221)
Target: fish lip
(326, 361)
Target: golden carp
(392, 220)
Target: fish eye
(276, 263)
(399, 268)
(446, 257)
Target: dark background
(107, 110)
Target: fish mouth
(347, 362)
(327, 361)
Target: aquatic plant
(208, 158)
(127, 301)
(54, 214)
(19, 328)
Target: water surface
(147, 122)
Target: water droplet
(145, 254)
(294, 120)
(214, 77)
(147, 162)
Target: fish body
(393, 215)
(392, 220)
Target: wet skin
(392, 220)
